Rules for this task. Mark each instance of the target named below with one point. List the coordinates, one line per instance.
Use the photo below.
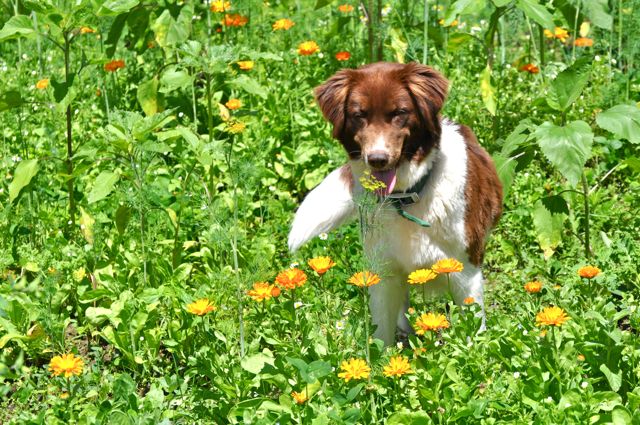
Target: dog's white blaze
(380, 144)
(325, 208)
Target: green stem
(69, 160)
(425, 33)
(585, 193)
(234, 248)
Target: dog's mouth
(388, 177)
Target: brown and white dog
(386, 115)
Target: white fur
(397, 244)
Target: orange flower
(533, 287)
(67, 365)
(343, 56)
(362, 279)
(114, 65)
(583, 42)
(421, 276)
(200, 307)
(581, 357)
(551, 316)
(263, 291)
(354, 369)
(448, 265)
(235, 20)
(283, 24)
(430, 322)
(245, 65)
(588, 272)
(452, 24)
(345, 8)
(42, 84)
(398, 366)
(219, 6)
(321, 264)
(299, 398)
(233, 104)
(530, 68)
(559, 33)
(291, 279)
(86, 30)
(308, 48)
(469, 301)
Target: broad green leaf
(316, 370)
(548, 229)
(123, 214)
(606, 400)
(556, 204)
(536, 12)
(115, 31)
(501, 3)
(116, 7)
(17, 26)
(322, 3)
(86, 225)
(22, 177)
(506, 168)
(255, 363)
(148, 96)
(621, 120)
(568, 85)
(621, 416)
(98, 315)
(173, 80)
(614, 379)
(567, 148)
(409, 418)
(10, 99)
(103, 186)
(458, 40)
(170, 32)
(487, 91)
(597, 12)
(249, 85)
(457, 8)
(398, 45)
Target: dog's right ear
(332, 96)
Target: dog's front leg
(388, 303)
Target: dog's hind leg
(388, 302)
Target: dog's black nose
(378, 159)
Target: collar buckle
(404, 198)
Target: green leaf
(249, 85)
(615, 379)
(17, 26)
(255, 363)
(606, 400)
(173, 80)
(115, 32)
(568, 85)
(567, 148)
(506, 168)
(501, 3)
(148, 96)
(86, 225)
(22, 177)
(597, 12)
(353, 392)
(172, 32)
(621, 120)
(487, 91)
(123, 214)
(458, 40)
(548, 229)
(458, 8)
(409, 418)
(116, 7)
(556, 204)
(103, 186)
(322, 3)
(536, 12)
(10, 99)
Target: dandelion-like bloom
(551, 316)
(233, 104)
(345, 8)
(343, 56)
(308, 48)
(235, 20)
(200, 307)
(237, 127)
(421, 276)
(263, 291)
(79, 274)
(469, 301)
(283, 24)
(533, 287)
(371, 183)
(354, 369)
(67, 365)
(42, 84)
(588, 272)
(530, 68)
(219, 6)
(86, 30)
(299, 398)
(363, 279)
(114, 65)
(321, 264)
(559, 33)
(430, 322)
(245, 65)
(583, 42)
(291, 279)
(398, 366)
(448, 265)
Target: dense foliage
(153, 154)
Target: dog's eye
(360, 115)
(400, 111)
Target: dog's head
(385, 114)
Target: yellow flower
(551, 316)
(233, 104)
(363, 279)
(237, 127)
(421, 276)
(581, 357)
(588, 272)
(559, 33)
(308, 48)
(291, 279)
(64, 395)
(200, 307)
(321, 264)
(345, 8)
(42, 84)
(370, 182)
(283, 24)
(263, 291)
(354, 369)
(67, 365)
(533, 287)
(79, 274)
(469, 301)
(398, 366)
(299, 398)
(86, 30)
(452, 24)
(219, 6)
(245, 65)
(430, 322)
(448, 265)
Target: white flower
(525, 332)
(386, 10)
(584, 384)
(549, 399)
(180, 114)
(340, 325)
(323, 236)
(297, 304)
(597, 58)
(399, 345)
(294, 265)
(516, 375)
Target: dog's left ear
(428, 88)
(331, 97)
